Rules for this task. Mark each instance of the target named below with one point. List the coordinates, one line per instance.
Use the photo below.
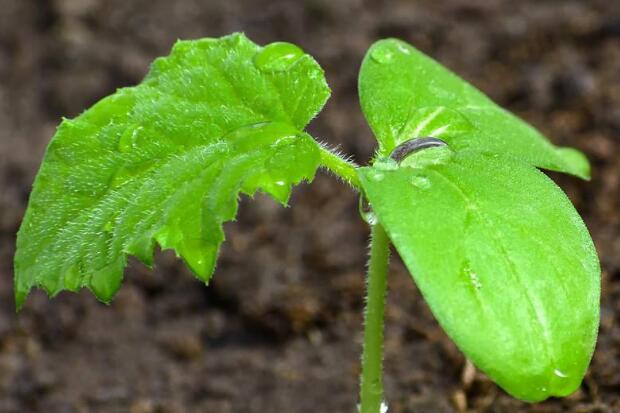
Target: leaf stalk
(341, 167)
(371, 389)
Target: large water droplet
(560, 373)
(250, 137)
(382, 54)
(129, 139)
(421, 182)
(277, 57)
(366, 212)
(428, 157)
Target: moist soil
(279, 328)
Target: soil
(279, 328)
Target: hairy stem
(371, 393)
(340, 167)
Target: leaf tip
(576, 162)
(200, 256)
(20, 298)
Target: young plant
(499, 253)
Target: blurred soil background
(279, 329)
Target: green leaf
(405, 94)
(504, 261)
(165, 161)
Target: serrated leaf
(405, 94)
(504, 261)
(164, 162)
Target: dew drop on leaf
(377, 176)
(560, 373)
(421, 182)
(127, 140)
(382, 54)
(366, 212)
(402, 48)
(277, 57)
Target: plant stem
(371, 393)
(340, 167)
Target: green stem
(371, 393)
(340, 167)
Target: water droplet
(382, 54)
(280, 183)
(402, 48)
(277, 57)
(366, 212)
(377, 176)
(128, 139)
(421, 182)
(560, 373)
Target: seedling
(499, 253)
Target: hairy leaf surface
(503, 259)
(405, 94)
(164, 162)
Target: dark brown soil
(279, 329)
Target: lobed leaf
(163, 162)
(405, 94)
(503, 259)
